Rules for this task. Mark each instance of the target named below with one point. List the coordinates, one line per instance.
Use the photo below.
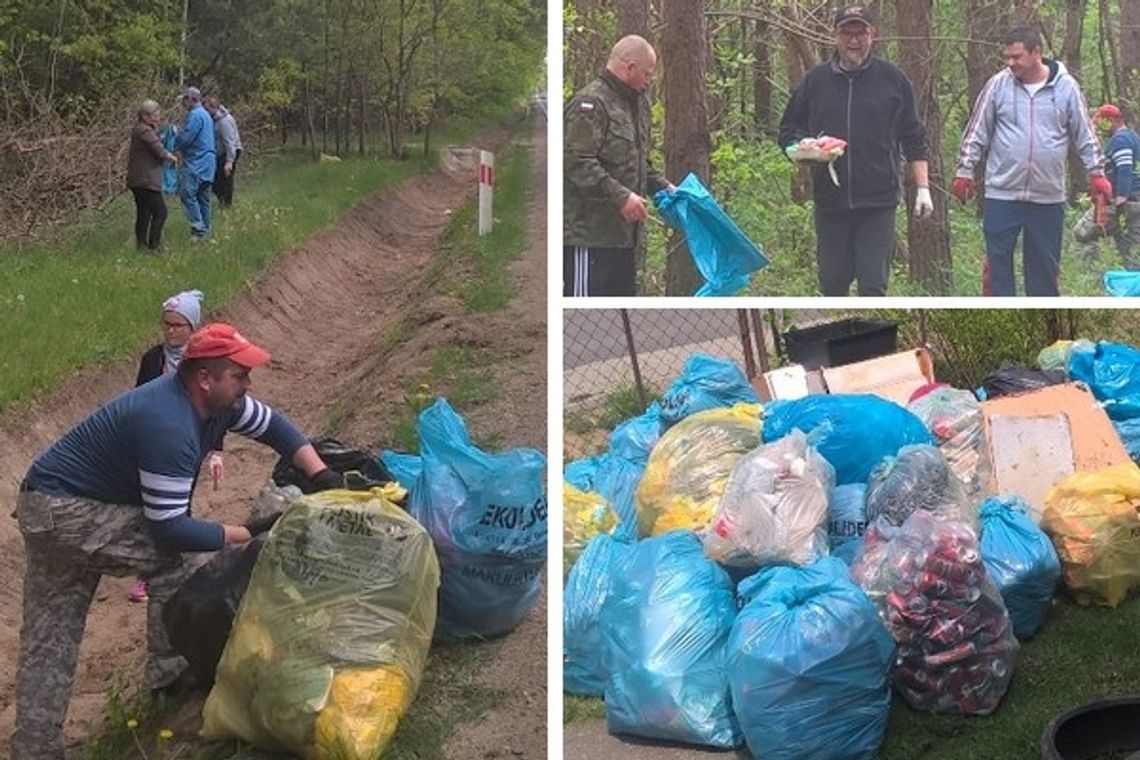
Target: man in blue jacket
(1025, 117)
(112, 496)
(195, 141)
(870, 103)
(1122, 165)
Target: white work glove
(215, 467)
(923, 205)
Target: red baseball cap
(218, 340)
(1108, 111)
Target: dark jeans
(853, 245)
(150, 215)
(223, 185)
(598, 271)
(1044, 224)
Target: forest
(727, 67)
(335, 76)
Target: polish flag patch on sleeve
(585, 107)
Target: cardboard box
(1036, 438)
(894, 377)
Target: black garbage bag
(366, 468)
(199, 616)
(1012, 378)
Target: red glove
(1098, 185)
(963, 188)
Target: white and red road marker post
(486, 186)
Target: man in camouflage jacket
(605, 173)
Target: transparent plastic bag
(954, 419)
(689, 467)
(956, 646)
(808, 664)
(774, 508)
(329, 645)
(918, 478)
(1093, 521)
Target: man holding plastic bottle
(1025, 117)
(869, 103)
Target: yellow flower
(165, 734)
(132, 724)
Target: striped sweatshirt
(146, 447)
(1027, 136)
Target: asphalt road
(591, 335)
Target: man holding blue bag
(606, 174)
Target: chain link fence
(616, 361)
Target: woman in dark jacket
(181, 316)
(144, 177)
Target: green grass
(486, 284)
(618, 405)
(82, 295)
(1081, 654)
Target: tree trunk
(797, 60)
(1071, 56)
(928, 240)
(687, 144)
(1023, 12)
(762, 81)
(985, 25)
(633, 18)
(1129, 59)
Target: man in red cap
(112, 496)
(1121, 165)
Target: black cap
(850, 13)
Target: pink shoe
(140, 592)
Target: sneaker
(141, 592)
(195, 239)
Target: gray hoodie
(229, 140)
(1028, 136)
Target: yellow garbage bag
(689, 466)
(1092, 519)
(330, 641)
(585, 515)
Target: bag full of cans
(954, 418)
(917, 478)
(956, 647)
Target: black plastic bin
(846, 341)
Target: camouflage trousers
(1124, 228)
(70, 543)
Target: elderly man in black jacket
(868, 102)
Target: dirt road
(322, 310)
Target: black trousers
(855, 245)
(598, 271)
(223, 185)
(150, 216)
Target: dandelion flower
(165, 733)
(132, 724)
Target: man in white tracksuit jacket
(1025, 117)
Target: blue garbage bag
(169, 172)
(846, 515)
(620, 469)
(634, 438)
(581, 472)
(587, 587)
(1021, 560)
(1129, 432)
(405, 468)
(707, 382)
(664, 629)
(808, 665)
(1122, 282)
(486, 514)
(1112, 373)
(721, 252)
(852, 431)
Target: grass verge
(83, 295)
